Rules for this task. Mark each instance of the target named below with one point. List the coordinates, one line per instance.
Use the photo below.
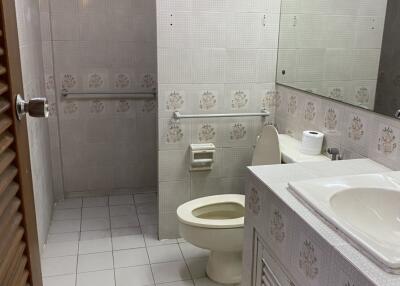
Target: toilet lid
(186, 216)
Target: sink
(364, 208)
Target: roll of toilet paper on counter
(311, 143)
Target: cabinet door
(268, 277)
(262, 272)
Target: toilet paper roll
(311, 143)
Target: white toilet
(216, 222)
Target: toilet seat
(186, 215)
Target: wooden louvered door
(19, 248)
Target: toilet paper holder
(201, 157)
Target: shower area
(100, 75)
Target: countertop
(276, 178)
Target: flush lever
(36, 107)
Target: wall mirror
(347, 50)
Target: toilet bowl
(216, 223)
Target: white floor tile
(134, 276)
(64, 226)
(151, 237)
(130, 257)
(128, 210)
(146, 208)
(191, 251)
(95, 224)
(69, 204)
(95, 202)
(98, 278)
(121, 200)
(95, 212)
(126, 238)
(148, 219)
(170, 272)
(197, 267)
(95, 262)
(178, 283)
(63, 237)
(95, 241)
(124, 221)
(145, 198)
(164, 253)
(66, 214)
(63, 280)
(57, 249)
(59, 266)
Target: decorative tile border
(95, 80)
(331, 120)
(310, 111)
(122, 81)
(388, 138)
(70, 107)
(174, 132)
(69, 81)
(292, 105)
(174, 100)
(207, 133)
(123, 106)
(254, 201)
(356, 128)
(240, 99)
(208, 100)
(238, 131)
(148, 81)
(97, 106)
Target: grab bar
(178, 115)
(111, 94)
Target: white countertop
(290, 150)
(276, 178)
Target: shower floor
(112, 241)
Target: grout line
(186, 263)
(145, 244)
(77, 256)
(112, 248)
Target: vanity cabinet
(281, 249)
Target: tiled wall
(102, 146)
(332, 47)
(28, 20)
(213, 57)
(357, 132)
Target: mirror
(347, 50)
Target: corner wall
(213, 57)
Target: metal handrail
(178, 115)
(111, 94)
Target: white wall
(213, 57)
(28, 18)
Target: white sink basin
(365, 208)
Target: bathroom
(164, 142)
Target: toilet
(216, 222)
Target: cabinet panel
(268, 270)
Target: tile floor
(112, 241)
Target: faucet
(335, 154)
